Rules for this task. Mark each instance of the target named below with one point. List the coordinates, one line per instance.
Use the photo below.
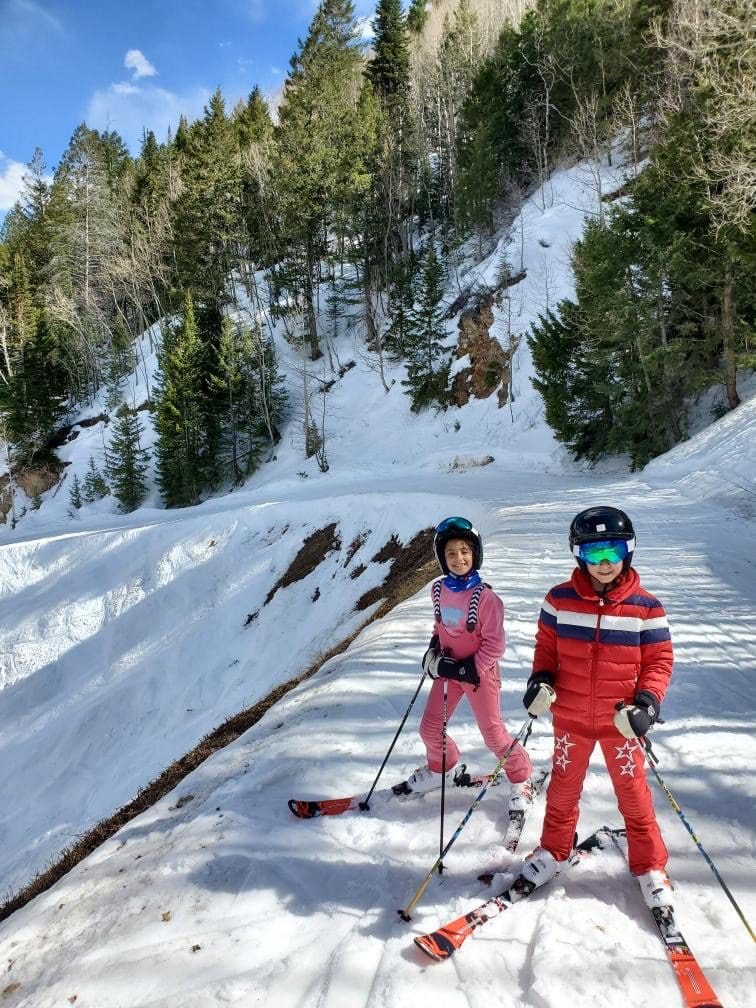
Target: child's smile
(459, 556)
(604, 573)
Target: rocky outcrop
(488, 371)
(34, 481)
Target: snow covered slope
(123, 640)
(224, 898)
(104, 615)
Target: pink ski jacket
(486, 641)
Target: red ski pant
(486, 706)
(626, 764)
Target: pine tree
(574, 382)
(400, 309)
(75, 498)
(178, 417)
(208, 210)
(127, 461)
(389, 68)
(318, 151)
(95, 485)
(391, 159)
(35, 199)
(417, 15)
(30, 392)
(237, 452)
(428, 361)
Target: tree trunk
(310, 316)
(728, 345)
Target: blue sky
(126, 64)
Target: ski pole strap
(644, 744)
(520, 737)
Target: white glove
(634, 720)
(431, 658)
(539, 696)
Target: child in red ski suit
(602, 664)
(463, 658)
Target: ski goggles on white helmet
(613, 550)
(454, 524)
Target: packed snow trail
(225, 898)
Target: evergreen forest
(350, 199)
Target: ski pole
(443, 775)
(645, 747)
(364, 806)
(522, 736)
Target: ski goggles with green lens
(613, 550)
(454, 525)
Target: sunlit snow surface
(122, 641)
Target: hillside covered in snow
(125, 638)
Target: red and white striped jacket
(601, 650)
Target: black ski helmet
(457, 528)
(598, 523)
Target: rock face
(33, 481)
(489, 362)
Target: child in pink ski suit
(463, 657)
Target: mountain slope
(123, 640)
(303, 913)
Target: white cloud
(130, 109)
(20, 19)
(11, 178)
(136, 60)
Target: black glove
(461, 671)
(634, 720)
(431, 657)
(540, 694)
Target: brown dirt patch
(412, 566)
(312, 552)
(356, 544)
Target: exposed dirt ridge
(411, 568)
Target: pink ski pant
(626, 766)
(485, 705)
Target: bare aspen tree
(591, 142)
(6, 367)
(628, 116)
(540, 111)
(711, 47)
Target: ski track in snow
(123, 641)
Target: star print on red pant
(562, 746)
(627, 752)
